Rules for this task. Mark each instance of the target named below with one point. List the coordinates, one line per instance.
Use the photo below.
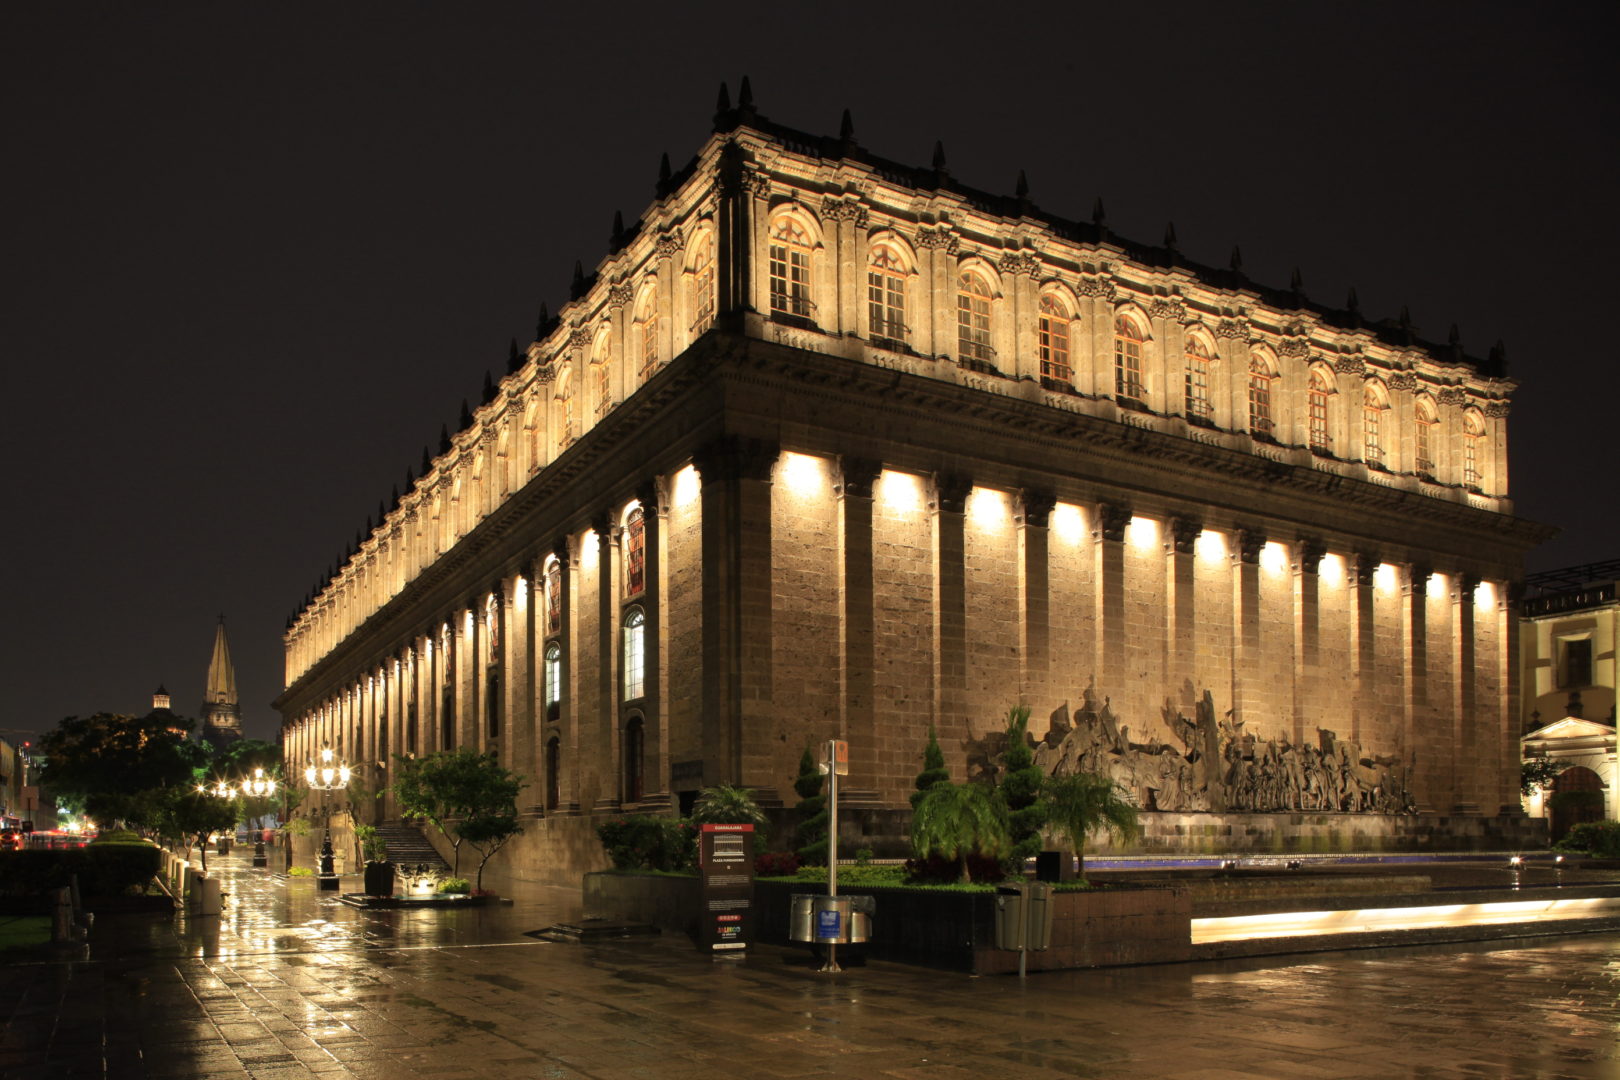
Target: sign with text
(726, 859)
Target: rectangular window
(1424, 461)
(1372, 442)
(1198, 407)
(886, 305)
(635, 629)
(1128, 371)
(1577, 663)
(1054, 347)
(1260, 405)
(1318, 404)
(790, 280)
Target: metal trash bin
(1024, 916)
(854, 918)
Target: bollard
(208, 896)
(62, 916)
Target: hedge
(104, 869)
(1599, 838)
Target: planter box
(950, 930)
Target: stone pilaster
(1364, 648)
(1181, 603)
(1427, 781)
(1466, 743)
(1307, 632)
(737, 605)
(1109, 538)
(950, 608)
(604, 742)
(857, 722)
(1034, 595)
(1246, 657)
(655, 704)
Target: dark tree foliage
(812, 808)
(101, 763)
(466, 796)
(1020, 789)
(933, 772)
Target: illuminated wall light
(803, 475)
(1273, 558)
(902, 492)
(1385, 578)
(1332, 570)
(1437, 586)
(988, 509)
(1210, 546)
(684, 491)
(1068, 523)
(1142, 533)
(1484, 594)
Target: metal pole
(831, 965)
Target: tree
(101, 763)
(1080, 804)
(1020, 789)
(1537, 774)
(812, 809)
(466, 796)
(188, 816)
(933, 770)
(955, 821)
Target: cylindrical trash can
(1010, 913)
(836, 920)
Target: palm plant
(726, 804)
(1080, 804)
(955, 821)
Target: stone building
(221, 712)
(1567, 662)
(833, 446)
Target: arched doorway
(1577, 796)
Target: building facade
(221, 710)
(830, 446)
(1568, 671)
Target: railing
(1574, 600)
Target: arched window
(702, 279)
(531, 424)
(410, 727)
(635, 653)
(1424, 419)
(634, 745)
(1472, 446)
(1260, 377)
(1199, 360)
(1128, 338)
(553, 768)
(1316, 407)
(886, 294)
(1054, 340)
(647, 334)
(973, 318)
(635, 553)
(1373, 404)
(554, 597)
(790, 268)
(553, 687)
(565, 406)
(447, 714)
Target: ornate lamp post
(259, 786)
(329, 776)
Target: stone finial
(514, 359)
(576, 288)
(662, 187)
(444, 436)
(1021, 188)
(393, 494)
(427, 461)
(722, 102)
(745, 96)
(1297, 282)
(1498, 358)
(542, 322)
(410, 478)
(1236, 261)
(939, 156)
(488, 394)
(369, 529)
(1352, 303)
(1170, 235)
(465, 420)
(1454, 339)
(846, 128)
(616, 240)
(1099, 217)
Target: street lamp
(329, 776)
(259, 786)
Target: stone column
(1508, 595)
(1426, 786)
(1364, 650)
(950, 608)
(857, 721)
(737, 606)
(1307, 632)
(1181, 603)
(1109, 537)
(570, 789)
(605, 744)
(655, 699)
(1034, 597)
(470, 675)
(1246, 657)
(529, 712)
(1465, 721)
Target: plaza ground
(292, 983)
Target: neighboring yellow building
(830, 446)
(1567, 656)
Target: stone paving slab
(401, 995)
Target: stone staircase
(407, 847)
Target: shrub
(1020, 789)
(958, 822)
(110, 869)
(1599, 838)
(649, 842)
(812, 808)
(119, 836)
(454, 885)
(300, 871)
(933, 771)
(775, 864)
(937, 869)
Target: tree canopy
(465, 795)
(101, 763)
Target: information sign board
(725, 858)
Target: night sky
(256, 254)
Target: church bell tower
(221, 718)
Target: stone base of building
(1237, 834)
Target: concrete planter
(950, 930)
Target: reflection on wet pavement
(290, 983)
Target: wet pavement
(291, 983)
